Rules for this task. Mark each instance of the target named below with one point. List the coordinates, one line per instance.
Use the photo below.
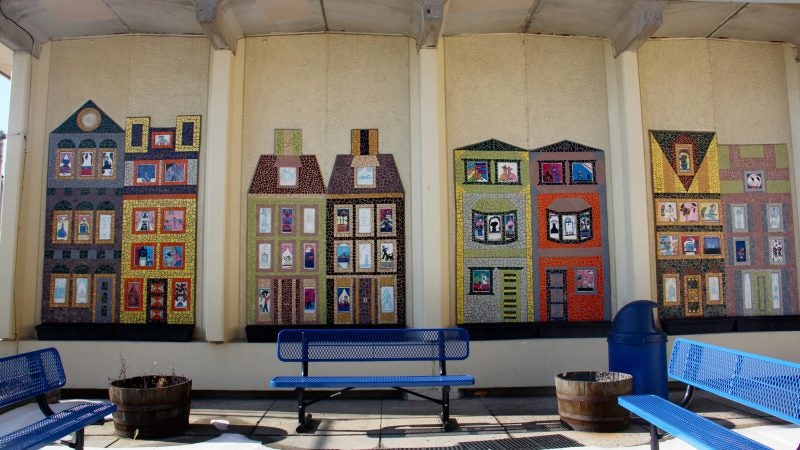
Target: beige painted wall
(737, 89)
(528, 91)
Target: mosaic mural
(120, 221)
(332, 256)
(531, 239)
(723, 226)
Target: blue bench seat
(32, 375)
(765, 384)
(367, 346)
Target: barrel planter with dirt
(587, 401)
(151, 406)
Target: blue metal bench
(32, 375)
(371, 345)
(766, 384)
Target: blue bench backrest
(766, 384)
(299, 345)
(29, 374)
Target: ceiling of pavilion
(27, 24)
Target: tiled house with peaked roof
(82, 239)
(493, 249)
(286, 279)
(366, 236)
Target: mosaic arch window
(569, 220)
(494, 221)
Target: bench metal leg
(653, 437)
(303, 419)
(79, 439)
(448, 423)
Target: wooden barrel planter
(151, 406)
(587, 401)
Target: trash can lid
(636, 317)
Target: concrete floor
(484, 422)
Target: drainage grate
(527, 443)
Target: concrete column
(430, 220)
(627, 172)
(12, 189)
(215, 198)
(793, 94)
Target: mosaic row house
(724, 230)
(531, 233)
(121, 217)
(322, 256)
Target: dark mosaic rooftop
(309, 177)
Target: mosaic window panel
(343, 225)
(551, 172)
(476, 171)
(264, 299)
(309, 220)
(741, 252)
(754, 181)
(684, 159)
(187, 133)
(713, 286)
(156, 301)
(143, 255)
(365, 259)
(180, 294)
(287, 256)
(507, 172)
(172, 256)
(162, 139)
(309, 256)
(104, 225)
(481, 280)
(287, 176)
(387, 299)
(144, 221)
(82, 289)
(309, 299)
(671, 287)
(585, 280)
(693, 295)
(774, 216)
(86, 168)
(264, 256)
(344, 300)
(287, 220)
(569, 227)
(133, 294)
(739, 222)
(145, 173)
(173, 220)
(582, 172)
(386, 215)
(668, 245)
(344, 257)
(174, 172)
(386, 259)
(365, 177)
(137, 132)
(775, 250)
(494, 227)
(264, 220)
(104, 296)
(60, 290)
(84, 227)
(364, 220)
(62, 227)
(108, 163)
(65, 160)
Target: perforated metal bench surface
(766, 384)
(32, 375)
(372, 345)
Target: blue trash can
(637, 347)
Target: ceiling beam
(636, 25)
(18, 39)
(432, 14)
(218, 23)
